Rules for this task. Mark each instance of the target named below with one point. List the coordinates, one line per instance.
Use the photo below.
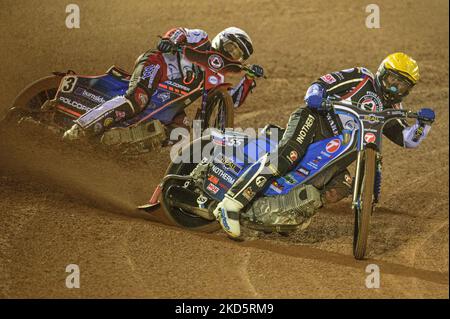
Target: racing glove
(165, 46)
(426, 116)
(314, 97)
(415, 134)
(255, 71)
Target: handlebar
(329, 103)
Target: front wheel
(219, 109)
(363, 209)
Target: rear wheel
(31, 99)
(363, 211)
(219, 109)
(177, 215)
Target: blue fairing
(223, 174)
(109, 85)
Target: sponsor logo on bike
(332, 124)
(277, 187)
(228, 163)
(372, 118)
(333, 145)
(303, 171)
(224, 219)
(248, 193)
(227, 177)
(290, 179)
(213, 179)
(74, 104)
(369, 137)
(305, 129)
(260, 181)
(293, 156)
(212, 188)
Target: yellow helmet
(396, 75)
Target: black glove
(255, 70)
(165, 46)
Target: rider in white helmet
(166, 63)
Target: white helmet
(234, 43)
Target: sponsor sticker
(74, 104)
(163, 96)
(213, 179)
(293, 156)
(228, 163)
(89, 95)
(303, 171)
(369, 137)
(212, 188)
(248, 193)
(278, 188)
(223, 174)
(260, 181)
(333, 145)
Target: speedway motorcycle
(57, 100)
(191, 190)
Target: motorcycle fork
(358, 180)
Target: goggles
(396, 84)
(233, 50)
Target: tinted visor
(233, 50)
(396, 84)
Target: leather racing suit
(151, 69)
(307, 125)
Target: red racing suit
(151, 69)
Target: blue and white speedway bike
(192, 188)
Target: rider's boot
(338, 188)
(227, 213)
(97, 120)
(241, 193)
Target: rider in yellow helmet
(396, 76)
